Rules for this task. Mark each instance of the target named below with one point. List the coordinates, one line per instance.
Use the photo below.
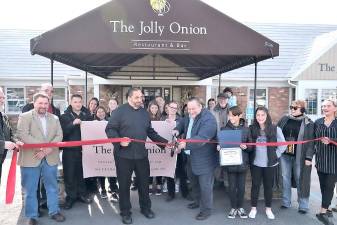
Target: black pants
(2, 159)
(327, 184)
(112, 183)
(159, 180)
(181, 174)
(73, 174)
(265, 174)
(236, 188)
(125, 168)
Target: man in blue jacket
(200, 124)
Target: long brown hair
(157, 115)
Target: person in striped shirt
(326, 157)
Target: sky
(48, 14)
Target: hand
(325, 140)
(125, 143)
(39, 154)
(10, 145)
(19, 143)
(242, 146)
(218, 147)
(308, 163)
(181, 145)
(47, 151)
(175, 133)
(77, 121)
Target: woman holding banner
(326, 155)
(297, 127)
(264, 159)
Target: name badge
(230, 156)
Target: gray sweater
(261, 158)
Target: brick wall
(278, 101)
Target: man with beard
(131, 120)
(39, 126)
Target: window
(311, 100)
(15, 100)
(328, 94)
(261, 97)
(59, 99)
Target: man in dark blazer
(200, 124)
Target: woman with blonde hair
(326, 156)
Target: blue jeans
(288, 165)
(29, 181)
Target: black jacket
(126, 121)
(271, 137)
(30, 106)
(72, 132)
(245, 153)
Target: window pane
(261, 97)
(15, 99)
(311, 100)
(59, 94)
(329, 94)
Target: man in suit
(200, 124)
(6, 134)
(47, 89)
(39, 126)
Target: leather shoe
(193, 205)
(202, 216)
(85, 199)
(32, 222)
(127, 219)
(58, 217)
(148, 213)
(68, 204)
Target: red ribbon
(10, 188)
(12, 171)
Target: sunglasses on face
(294, 107)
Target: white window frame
(267, 96)
(6, 102)
(65, 98)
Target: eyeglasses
(172, 107)
(294, 107)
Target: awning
(177, 39)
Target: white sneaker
(270, 214)
(252, 213)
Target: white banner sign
(98, 159)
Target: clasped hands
(42, 152)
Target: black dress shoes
(202, 216)
(32, 222)
(69, 204)
(127, 219)
(148, 213)
(193, 205)
(58, 217)
(85, 199)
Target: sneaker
(270, 214)
(252, 213)
(323, 217)
(232, 214)
(104, 195)
(241, 212)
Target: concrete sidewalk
(105, 212)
